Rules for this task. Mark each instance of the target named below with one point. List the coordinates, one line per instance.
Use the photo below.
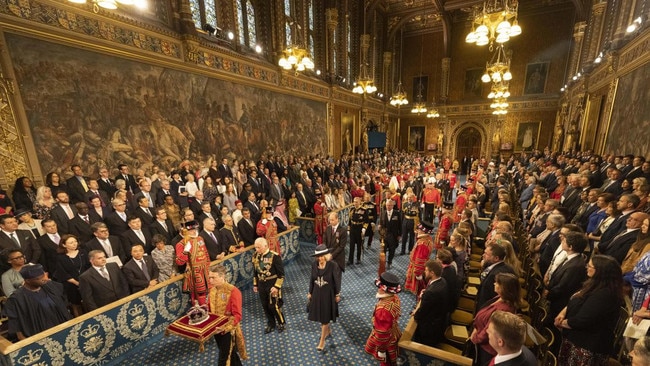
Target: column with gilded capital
(444, 79)
(593, 40)
(574, 57)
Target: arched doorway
(468, 143)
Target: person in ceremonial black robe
(38, 305)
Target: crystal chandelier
(433, 112)
(295, 56)
(498, 69)
(493, 23)
(500, 106)
(499, 90)
(399, 97)
(112, 4)
(365, 83)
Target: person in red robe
(446, 221)
(192, 252)
(320, 212)
(382, 342)
(419, 256)
(461, 203)
(268, 229)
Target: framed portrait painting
(416, 138)
(527, 136)
(473, 82)
(536, 74)
(347, 133)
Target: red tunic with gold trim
(227, 300)
(459, 206)
(431, 196)
(196, 272)
(419, 256)
(443, 231)
(385, 330)
(270, 232)
(320, 222)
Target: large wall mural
(98, 110)
(629, 129)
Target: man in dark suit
(49, 244)
(94, 191)
(626, 204)
(566, 279)
(548, 247)
(137, 234)
(493, 263)
(391, 221)
(254, 208)
(103, 283)
(507, 334)
(12, 238)
(77, 185)
(224, 170)
(431, 313)
(246, 227)
(613, 184)
(63, 212)
(621, 243)
(79, 226)
(276, 192)
(109, 244)
(165, 190)
(336, 239)
(163, 226)
(105, 183)
(212, 239)
(256, 184)
(145, 191)
(143, 211)
(140, 271)
(131, 184)
(116, 220)
(587, 208)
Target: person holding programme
(226, 300)
(267, 282)
(102, 283)
(324, 292)
(382, 342)
(589, 319)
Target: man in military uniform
(371, 210)
(391, 222)
(267, 282)
(410, 212)
(430, 199)
(358, 225)
(443, 184)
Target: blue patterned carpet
(297, 345)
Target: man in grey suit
(103, 283)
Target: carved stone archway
(457, 130)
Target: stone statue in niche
(441, 140)
(496, 142)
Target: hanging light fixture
(498, 69)
(296, 56)
(112, 4)
(365, 83)
(499, 90)
(493, 23)
(420, 105)
(433, 112)
(399, 97)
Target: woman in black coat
(24, 194)
(589, 319)
(324, 292)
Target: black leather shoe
(388, 266)
(349, 263)
(281, 328)
(358, 262)
(269, 329)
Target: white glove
(381, 355)
(422, 205)
(418, 278)
(264, 222)
(363, 232)
(188, 247)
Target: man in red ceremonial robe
(382, 342)
(461, 203)
(419, 256)
(446, 220)
(192, 252)
(320, 212)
